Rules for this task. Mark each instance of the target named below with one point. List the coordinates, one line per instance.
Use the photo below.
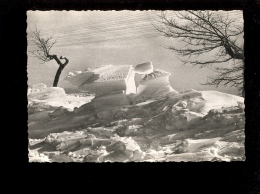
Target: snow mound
(107, 79)
(217, 100)
(169, 127)
(43, 98)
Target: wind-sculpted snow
(50, 98)
(186, 126)
(153, 85)
(109, 79)
(144, 68)
(103, 80)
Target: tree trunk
(57, 76)
(61, 67)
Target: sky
(95, 38)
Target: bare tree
(207, 39)
(42, 47)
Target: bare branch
(43, 46)
(204, 33)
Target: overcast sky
(94, 38)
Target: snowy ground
(190, 126)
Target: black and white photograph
(135, 86)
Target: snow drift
(186, 126)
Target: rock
(144, 68)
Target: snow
(169, 127)
(144, 68)
(108, 79)
(152, 85)
(130, 83)
(50, 98)
(217, 100)
(79, 78)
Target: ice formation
(172, 128)
(125, 121)
(144, 68)
(111, 80)
(104, 80)
(43, 98)
(153, 85)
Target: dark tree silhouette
(207, 40)
(42, 47)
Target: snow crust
(129, 122)
(187, 126)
